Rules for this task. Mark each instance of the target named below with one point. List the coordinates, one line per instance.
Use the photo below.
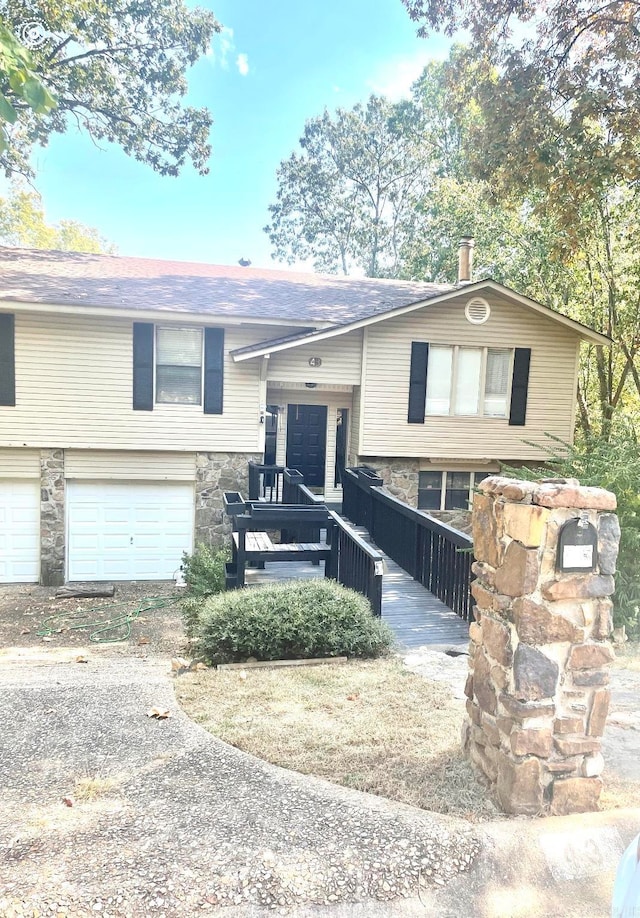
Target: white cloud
(222, 47)
(242, 63)
(395, 77)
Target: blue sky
(275, 65)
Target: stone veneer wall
(400, 476)
(537, 689)
(216, 473)
(52, 529)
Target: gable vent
(477, 311)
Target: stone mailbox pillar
(537, 688)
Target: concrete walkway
(180, 823)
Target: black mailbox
(577, 547)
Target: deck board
(415, 615)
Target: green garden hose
(103, 623)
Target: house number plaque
(577, 547)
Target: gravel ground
(180, 822)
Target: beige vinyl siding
(74, 390)
(354, 428)
(333, 400)
(551, 397)
(340, 356)
(129, 465)
(19, 463)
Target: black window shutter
(7, 360)
(143, 366)
(418, 381)
(213, 370)
(520, 386)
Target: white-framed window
(468, 381)
(448, 490)
(178, 365)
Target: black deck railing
(266, 483)
(355, 564)
(435, 554)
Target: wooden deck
(417, 618)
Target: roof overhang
(266, 348)
(175, 315)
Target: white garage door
(127, 530)
(19, 531)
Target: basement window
(448, 490)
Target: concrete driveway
(164, 819)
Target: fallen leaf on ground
(144, 640)
(68, 801)
(179, 663)
(26, 631)
(354, 697)
(159, 713)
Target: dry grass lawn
(628, 656)
(373, 726)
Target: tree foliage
(346, 200)
(558, 85)
(20, 86)
(118, 72)
(23, 223)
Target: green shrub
(291, 620)
(203, 572)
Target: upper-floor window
(468, 380)
(179, 365)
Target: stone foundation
(400, 476)
(457, 519)
(52, 528)
(216, 473)
(537, 689)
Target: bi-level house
(133, 391)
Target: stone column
(52, 529)
(537, 689)
(216, 473)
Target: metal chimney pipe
(465, 260)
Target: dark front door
(306, 442)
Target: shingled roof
(144, 284)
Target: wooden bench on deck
(251, 542)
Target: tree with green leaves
(23, 223)
(558, 85)
(20, 85)
(117, 71)
(346, 200)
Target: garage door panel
(20, 531)
(128, 531)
